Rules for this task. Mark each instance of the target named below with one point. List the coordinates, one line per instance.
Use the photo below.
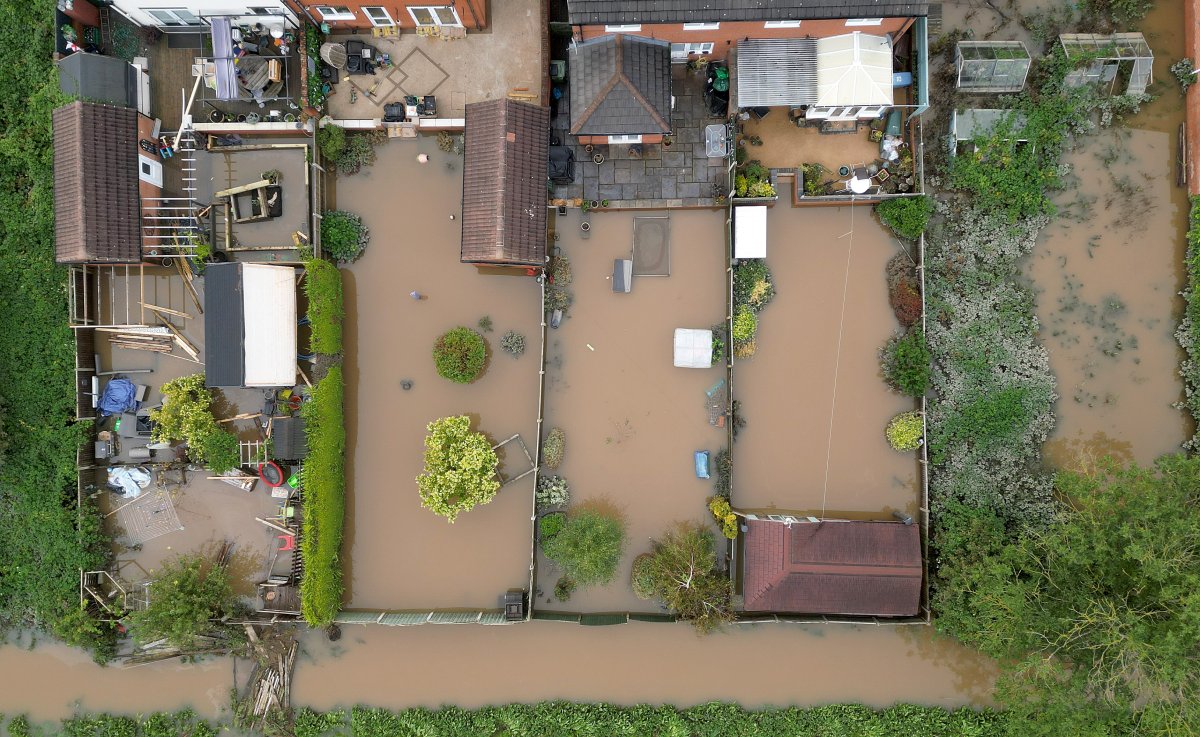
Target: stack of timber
(267, 698)
(156, 340)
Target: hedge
(323, 479)
(323, 287)
(1188, 333)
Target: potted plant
(588, 148)
(604, 203)
(667, 141)
(595, 204)
(216, 116)
(598, 158)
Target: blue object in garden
(702, 464)
(120, 395)
(901, 79)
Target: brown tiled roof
(620, 85)
(504, 183)
(853, 568)
(97, 210)
(615, 12)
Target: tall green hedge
(323, 287)
(324, 482)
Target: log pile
(268, 696)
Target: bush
(554, 448)
(564, 587)
(343, 235)
(323, 287)
(722, 512)
(460, 468)
(903, 291)
(723, 463)
(589, 547)
(1184, 73)
(186, 415)
(348, 152)
(641, 577)
(904, 431)
(906, 363)
(718, 344)
(682, 572)
(745, 325)
(331, 140)
(550, 525)
(323, 479)
(552, 491)
(460, 355)
(1188, 333)
(512, 343)
(185, 596)
(753, 285)
(906, 216)
(745, 350)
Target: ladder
(251, 452)
(105, 29)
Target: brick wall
(472, 13)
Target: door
(434, 15)
(378, 15)
(680, 51)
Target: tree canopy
(460, 468)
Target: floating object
(701, 461)
(590, 348)
(271, 474)
(405, 384)
(423, 158)
(415, 294)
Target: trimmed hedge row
(324, 482)
(323, 287)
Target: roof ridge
(637, 94)
(602, 93)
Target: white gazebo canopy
(854, 69)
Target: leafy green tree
(589, 546)
(460, 355)
(681, 570)
(185, 596)
(343, 235)
(460, 468)
(186, 414)
(906, 216)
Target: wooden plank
(167, 311)
(183, 342)
(187, 282)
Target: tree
(460, 355)
(186, 414)
(185, 596)
(906, 216)
(460, 468)
(682, 572)
(589, 547)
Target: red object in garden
(289, 543)
(271, 474)
(294, 402)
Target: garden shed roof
(98, 78)
(833, 567)
(504, 183)
(97, 208)
(620, 85)
(594, 12)
(250, 325)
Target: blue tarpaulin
(120, 395)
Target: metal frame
(1113, 50)
(991, 66)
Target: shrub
(906, 363)
(185, 596)
(722, 512)
(745, 350)
(323, 479)
(1184, 73)
(718, 344)
(343, 235)
(550, 525)
(740, 185)
(512, 343)
(331, 140)
(904, 431)
(552, 491)
(186, 415)
(323, 287)
(589, 547)
(460, 355)
(682, 571)
(564, 587)
(745, 325)
(357, 152)
(906, 216)
(560, 270)
(558, 298)
(760, 189)
(641, 577)
(752, 284)
(554, 448)
(450, 143)
(460, 468)
(485, 324)
(723, 463)
(1188, 333)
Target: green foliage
(906, 363)
(186, 415)
(552, 491)
(323, 287)
(753, 180)
(550, 525)
(81, 627)
(343, 235)
(485, 324)
(723, 467)
(682, 572)
(313, 38)
(186, 595)
(564, 587)
(460, 355)
(323, 479)
(753, 285)
(512, 343)
(309, 723)
(589, 547)
(1188, 333)
(460, 468)
(1007, 174)
(745, 324)
(331, 140)
(718, 344)
(986, 421)
(814, 179)
(641, 577)
(1184, 72)
(1116, 12)
(554, 448)
(723, 515)
(906, 216)
(19, 726)
(904, 431)
(904, 291)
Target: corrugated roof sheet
(97, 209)
(504, 183)
(224, 326)
(613, 12)
(97, 78)
(620, 85)
(850, 568)
(776, 71)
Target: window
(701, 26)
(624, 139)
(864, 22)
(680, 52)
(430, 15)
(175, 17)
(782, 24)
(335, 12)
(378, 15)
(259, 10)
(627, 28)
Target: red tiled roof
(853, 568)
(504, 183)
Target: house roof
(97, 209)
(847, 69)
(614, 12)
(850, 568)
(97, 78)
(620, 85)
(504, 183)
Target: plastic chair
(289, 543)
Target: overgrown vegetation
(343, 235)
(554, 448)
(904, 431)
(552, 491)
(44, 538)
(186, 596)
(460, 355)
(589, 546)
(513, 343)
(753, 180)
(906, 216)
(723, 515)
(681, 571)
(186, 415)
(753, 285)
(323, 288)
(460, 468)
(348, 151)
(1184, 72)
(323, 479)
(1188, 334)
(904, 291)
(183, 723)
(905, 362)
(313, 38)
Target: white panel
(269, 299)
(750, 231)
(693, 348)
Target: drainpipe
(474, 14)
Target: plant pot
(216, 116)
(289, 118)
(595, 204)
(241, 118)
(585, 226)
(589, 148)
(598, 159)
(253, 118)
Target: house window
(627, 28)
(782, 24)
(680, 52)
(175, 17)
(335, 12)
(624, 139)
(378, 15)
(430, 15)
(265, 11)
(701, 26)
(864, 22)
(150, 171)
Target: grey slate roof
(95, 78)
(620, 85)
(614, 12)
(224, 326)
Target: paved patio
(679, 175)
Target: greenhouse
(1118, 57)
(991, 66)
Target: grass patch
(323, 287)
(324, 482)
